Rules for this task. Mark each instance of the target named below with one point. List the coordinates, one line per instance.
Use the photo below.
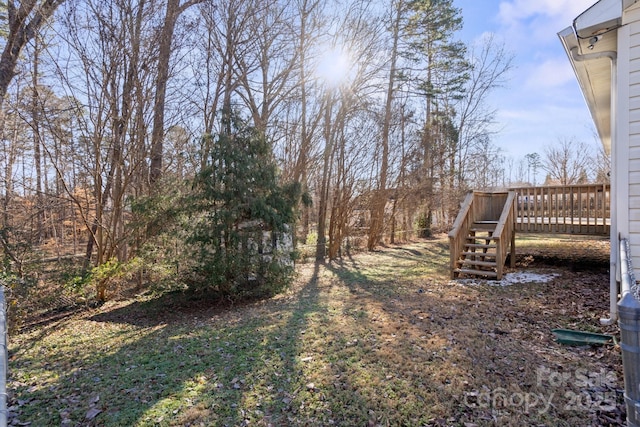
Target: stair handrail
(507, 213)
(505, 230)
(461, 227)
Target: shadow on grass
(439, 338)
(170, 308)
(347, 348)
(176, 366)
(393, 346)
(428, 261)
(182, 360)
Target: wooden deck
(573, 209)
(484, 231)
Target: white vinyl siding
(629, 130)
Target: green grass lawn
(379, 338)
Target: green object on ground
(569, 337)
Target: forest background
(155, 144)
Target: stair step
(482, 238)
(476, 272)
(479, 246)
(479, 254)
(484, 225)
(485, 242)
(490, 264)
(480, 230)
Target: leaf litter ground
(376, 339)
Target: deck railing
(571, 209)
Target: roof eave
(600, 18)
(595, 75)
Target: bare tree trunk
(11, 153)
(392, 236)
(37, 157)
(21, 30)
(301, 166)
(324, 187)
(164, 55)
(427, 145)
(337, 220)
(340, 205)
(379, 199)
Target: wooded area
(113, 113)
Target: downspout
(614, 256)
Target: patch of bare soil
(498, 361)
(518, 350)
(576, 254)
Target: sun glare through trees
(335, 67)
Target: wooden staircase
(482, 235)
(479, 255)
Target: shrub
(240, 217)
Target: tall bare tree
(308, 27)
(567, 162)
(24, 19)
(489, 65)
(265, 69)
(353, 92)
(173, 12)
(380, 197)
(115, 81)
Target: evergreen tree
(242, 216)
(440, 76)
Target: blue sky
(542, 103)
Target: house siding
(628, 131)
(634, 153)
(634, 103)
